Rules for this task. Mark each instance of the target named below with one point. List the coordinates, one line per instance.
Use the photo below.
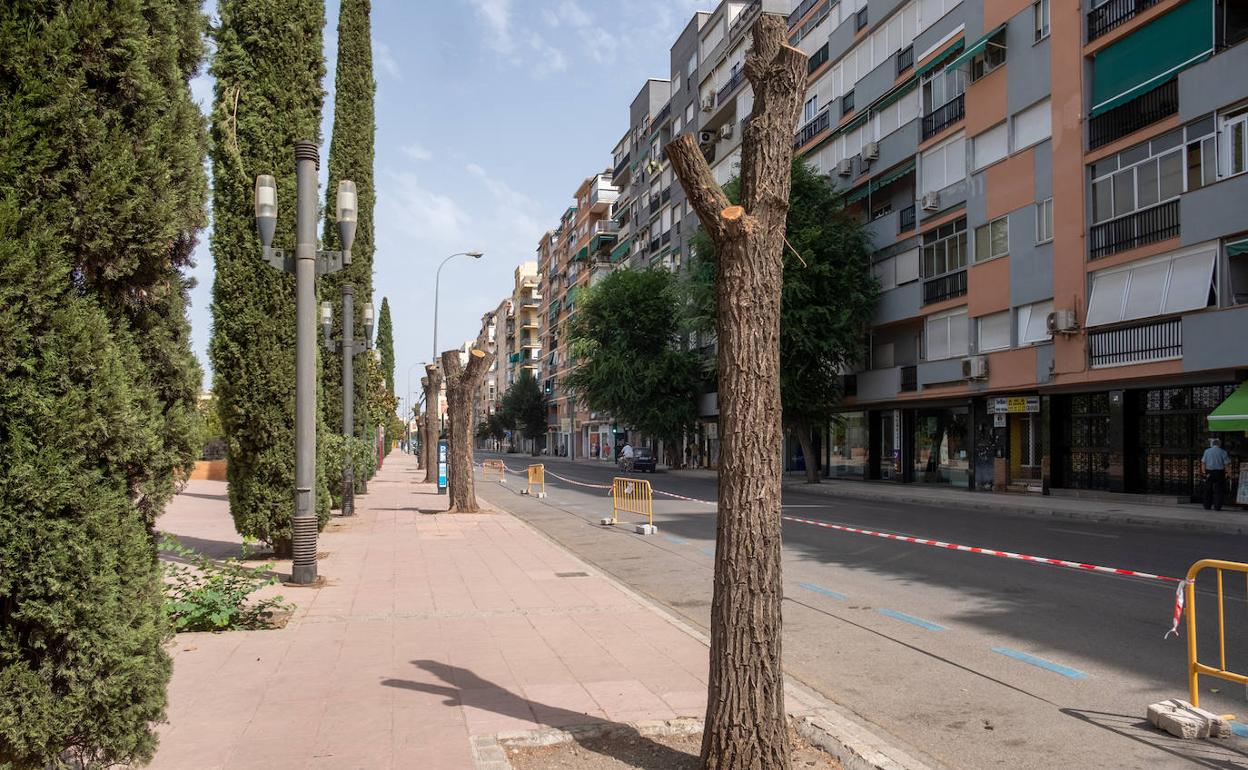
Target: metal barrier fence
(537, 479)
(493, 469)
(1194, 667)
(632, 496)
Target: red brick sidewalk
(430, 630)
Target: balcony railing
(817, 59)
(905, 219)
(944, 116)
(655, 203)
(800, 11)
(1105, 17)
(623, 164)
(905, 59)
(1155, 341)
(654, 245)
(944, 287)
(666, 195)
(820, 123)
(1141, 111)
(662, 115)
(1146, 226)
(733, 83)
(909, 379)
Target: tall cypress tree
(385, 344)
(351, 157)
(101, 157)
(268, 68)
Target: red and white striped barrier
(983, 551)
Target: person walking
(1213, 465)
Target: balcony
(905, 219)
(1142, 227)
(821, 122)
(909, 378)
(666, 195)
(944, 287)
(817, 59)
(800, 11)
(944, 116)
(1138, 344)
(601, 198)
(623, 164)
(655, 203)
(733, 84)
(654, 245)
(905, 59)
(1114, 13)
(1143, 110)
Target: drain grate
(571, 574)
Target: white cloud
(497, 17)
(416, 151)
(415, 212)
(548, 59)
(383, 59)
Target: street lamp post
(437, 282)
(306, 262)
(407, 416)
(350, 347)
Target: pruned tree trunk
(462, 383)
(432, 382)
(745, 718)
(808, 453)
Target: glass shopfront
(848, 446)
(941, 453)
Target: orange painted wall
(997, 12)
(1010, 184)
(986, 102)
(988, 287)
(1012, 369)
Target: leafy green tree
(102, 161)
(385, 343)
(630, 361)
(351, 157)
(492, 427)
(267, 96)
(524, 409)
(826, 305)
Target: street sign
(1014, 405)
(441, 466)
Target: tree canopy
(629, 360)
(524, 407)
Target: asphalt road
(968, 660)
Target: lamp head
(475, 254)
(327, 315)
(368, 324)
(266, 208)
(348, 214)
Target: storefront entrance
(941, 452)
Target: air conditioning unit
(845, 167)
(1060, 321)
(725, 131)
(708, 103)
(931, 201)
(706, 137)
(975, 368)
(871, 151)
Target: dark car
(644, 460)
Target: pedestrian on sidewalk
(1213, 465)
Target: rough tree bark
(462, 384)
(432, 382)
(745, 718)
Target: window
(860, 20)
(1173, 283)
(1033, 322)
(811, 109)
(885, 271)
(676, 83)
(881, 211)
(990, 58)
(692, 66)
(907, 266)
(1234, 130)
(943, 87)
(992, 240)
(994, 331)
(1044, 221)
(1152, 172)
(990, 146)
(944, 249)
(689, 113)
(945, 335)
(1032, 125)
(847, 103)
(943, 164)
(882, 356)
(1040, 12)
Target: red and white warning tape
(982, 551)
(1179, 597)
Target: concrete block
(606, 521)
(1183, 720)
(645, 529)
(540, 495)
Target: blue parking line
(920, 622)
(1240, 729)
(708, 551)
(821, 590)
(676, 540)
(1070, 673)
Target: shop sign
(1014, 405)
(712, 430)
(998, 420)
(565, 425)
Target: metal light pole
(306, 263)
(350, 347)
(407, 416)
(437, 282)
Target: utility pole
(350, 347)
(306, 263)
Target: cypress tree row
(103, 190)
(385, 343)
(268, 68)
(351, 157)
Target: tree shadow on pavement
(612, 739)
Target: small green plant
(203, 594)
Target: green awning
(621, 250)
(943, 57)
(1152, 55)
(879, 182)
(570, 298)
(582, 254)
(1231, 414)
(1235, 248)
(602, 238)
(977, 47)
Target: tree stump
(746, 726)
(462, 384)
(432, 383)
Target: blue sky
(489, 115)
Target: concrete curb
(827, 725)
(1132, 519)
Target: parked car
(644, 460)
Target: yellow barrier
(631, 496)
(1194, 667)
(537, 478)
(493, 469)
